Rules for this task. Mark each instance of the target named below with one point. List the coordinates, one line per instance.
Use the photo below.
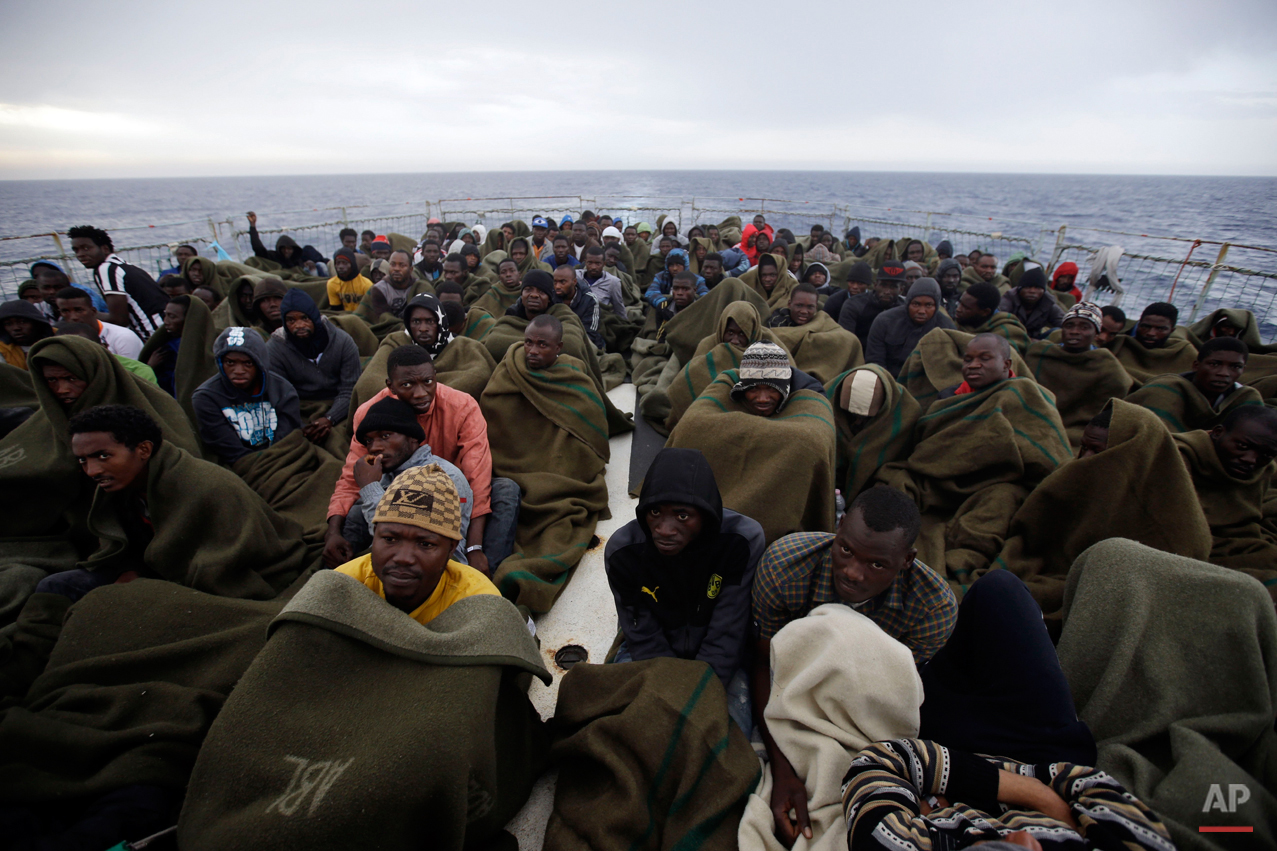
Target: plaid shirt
(796, 575)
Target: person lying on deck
(246, 406)
(682, 574)
(454, 428)
(416, 527)
(869, 565)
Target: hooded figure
(14, 344)
(895, 332)
(297, 256)
(346, 289)
(691, 602)
(1041, 316)
(235, 420)
(323, 366)
(658, 292)
(949, 298)
(853, 244)
(432, 304)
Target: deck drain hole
(570, 655)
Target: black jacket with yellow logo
(696, 604)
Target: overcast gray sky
(237, 88)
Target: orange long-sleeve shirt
(456, 431)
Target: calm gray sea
(1226, 208)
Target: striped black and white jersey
(146, 299)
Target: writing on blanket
(310, 779)
(12, 455)
(1238, 794)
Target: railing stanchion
(1210, 279)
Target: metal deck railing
(1197, 274)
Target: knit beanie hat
(862, 273)
(541, 280)
(764, 363)
(423, 497)
(1033, 277)
(1088, 311)
(390, 414)
(268, 287)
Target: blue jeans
(738, 703)
(498, 535)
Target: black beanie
(861, 273)
(540, 279)
(1034, 277)
(390, 415)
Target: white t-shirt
(120, 340)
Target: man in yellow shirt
(416, 527)
(347, 287)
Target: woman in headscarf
(895, 333)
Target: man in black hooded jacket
(287, 252)
(682, 574)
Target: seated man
(1064, 284)
(88, 332)
(1030, 304)
(1083, 377)
(163, 355)
(949, 277)
(605, 287)
(413, 540)
(395, 445)
(1232, 469)
(347, 286)
(981, 447)
(581, 301)
(504, 293)
(859, 312)
(245, 407)
(403, 633)
(984, 269)
(75, 305)
(758, 424)
(267, 297)
(162, 513)
(860, 277)
(659, 290)
(22, 325)
(703, 556)
(1112, 324)
(287, 252)
(977, 313)
(319, 360)
(387, 298)
(52, 280)
(869, 565)
(455, 430)
(802, 307)
(560, 255)
(1126, 460)
(875, 417)
(1203, 396)
(460, 362)
(1150, 349)
(682, 294)
(817, 344)
(895, 333)
(548, 422)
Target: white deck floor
(584, 615)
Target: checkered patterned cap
(1088, 311)
(423, 497)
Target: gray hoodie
(233, 422)
(894, 335)
(331, 375)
